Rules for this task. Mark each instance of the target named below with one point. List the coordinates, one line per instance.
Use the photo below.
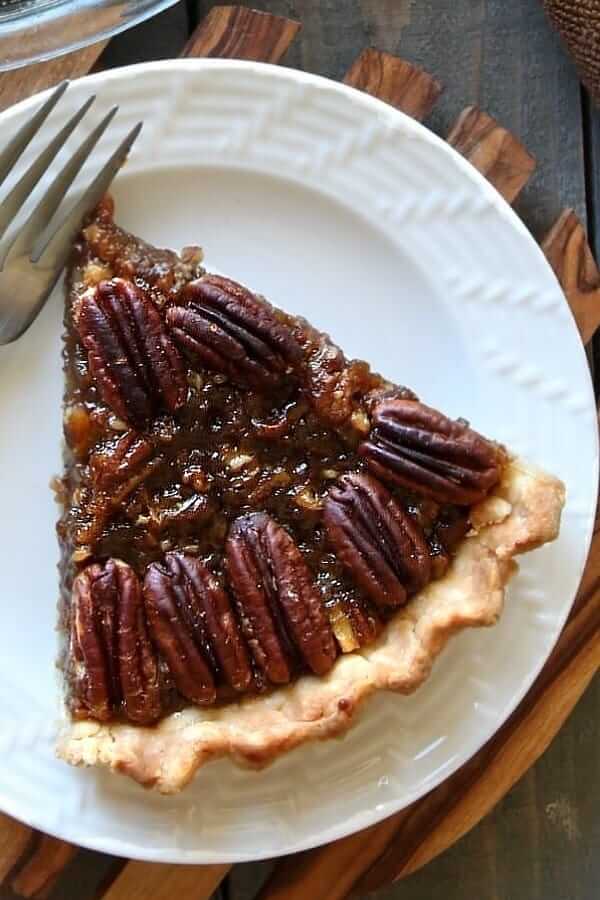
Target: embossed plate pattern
(344, 210)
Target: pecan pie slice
(257, 533)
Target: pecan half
(132, 359)
(277, 601)
(382, 547)
(113, 662)
(423, 450)
(115, 471)
(121, 465)
(186, 516)
(193, 625)
(353, 624)
(222, 326)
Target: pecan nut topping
(451, 527)
(353, 624)
(113, 662)
(132, 359)
(421, 449)
(119, 466)
(382, 547)
(115, 471)
(279, 606)
(222, 326)
(193, 625)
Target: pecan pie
(257, 533)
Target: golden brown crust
(522, 513)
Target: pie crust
(521, 513)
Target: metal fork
(31, 262)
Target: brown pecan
(451, 527)
(113, 663)
(129, 256)
(186, 515)
(354, 625)
(381, 545)
(421, 449)
(277, 601)
(115, 471)
(132, 359)
(365, 622)
(193, 625)
(120, 465)
(334, 385)
(449, 530)
(222, 326)
(278, 427)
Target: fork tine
(15, 147)
(49, 203)
(54, 254)
(13, 202)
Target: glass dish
(36, 30)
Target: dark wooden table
(542, 841)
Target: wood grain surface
(499, 56)
(395, 80)
(15, 86)
(232, 32)
(48, 858)
(15, 839)
(569, 253)
(155, 881)
(497, 153)
(591, 116)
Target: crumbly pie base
(521, 513)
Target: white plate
(348, 212)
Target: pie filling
(241, 504)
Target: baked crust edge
(522, 513)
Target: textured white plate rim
(68, 829)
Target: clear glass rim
(16, 11)
(30, 35)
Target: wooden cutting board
(31, 862)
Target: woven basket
(578, 22)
